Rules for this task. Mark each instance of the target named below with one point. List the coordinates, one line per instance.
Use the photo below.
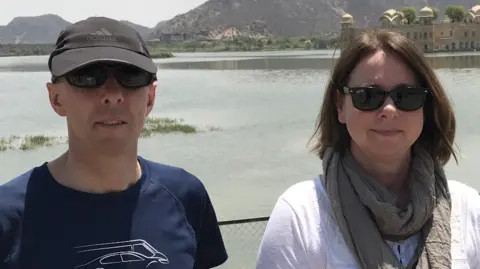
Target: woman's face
(386, 132)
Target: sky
(148, 13)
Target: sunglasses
(95, 75)
(406, 98)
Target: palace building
(429, 35)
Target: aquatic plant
(152, 126)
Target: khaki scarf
(367, 213)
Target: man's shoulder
(12, 192)
(171, 174)
(12, 200)
(176, 180)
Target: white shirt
(302, 232)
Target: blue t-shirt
(165, 220)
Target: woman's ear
(339, 103)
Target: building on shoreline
(429, 35)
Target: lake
(265, 104)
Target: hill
(287, 17)
(216, 19)
(143, 30)
(39, 29)
(43, 29)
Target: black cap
(99, 39)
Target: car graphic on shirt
(109, 255)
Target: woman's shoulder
(465, 201)
(464, 197)
(308, 199)
(460, 188)
(293, 230)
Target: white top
(302, 232)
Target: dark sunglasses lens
(409, 99)
(367, 98)
(131, 77)
(88, 77)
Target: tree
(410, 14)
(308, 45)
(260, 44)
(455, 13)
(435, 13)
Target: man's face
(106, 115)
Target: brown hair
(439, 127)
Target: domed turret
(390, 13)
(426, 12)
(392, 18)
(346, 19)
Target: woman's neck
(392, 171)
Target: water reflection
(255, 62)
(455, 62)
(451, 62)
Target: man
(99, 205)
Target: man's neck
(96, 173)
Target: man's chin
(114, 144)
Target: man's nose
(112, 92)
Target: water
(265, 105)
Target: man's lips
(111, 122)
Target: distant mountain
(43, 29)
(227, 18)
(143, 30)
(39, 29)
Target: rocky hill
(143, 30)
(39, 29)
(226, 18)
(288, 17)
(43, 29)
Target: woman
(384, 133)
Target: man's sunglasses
(95, 75)
(406, 98)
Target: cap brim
(75, 58)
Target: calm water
(264, 103)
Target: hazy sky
(148, 13)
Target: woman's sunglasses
(406, 98)
(95, 75)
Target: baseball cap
(99, 39)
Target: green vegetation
(455, 13)
(165, 125)
(410, 14)
(152, 126)
(28, 142)
(159, 50)
(161, 54)
(36, 141)
(248, 44)
(25, 49)
(7, 143)
(435, 13)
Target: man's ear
(56, 100)
(152, 89)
